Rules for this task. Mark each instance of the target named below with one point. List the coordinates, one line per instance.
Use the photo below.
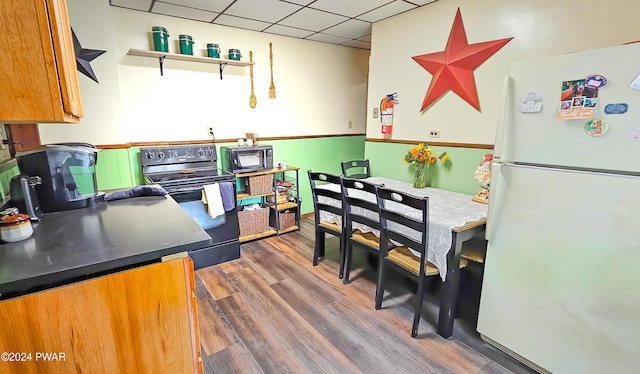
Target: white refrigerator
(561, 288)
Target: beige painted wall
(541, 28)
(320, 87)
(101, 124)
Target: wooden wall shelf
(161, 56)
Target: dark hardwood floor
(271, 311)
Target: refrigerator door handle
(496, 182)
(498, 149)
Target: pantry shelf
(161, 56)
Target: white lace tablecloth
(447, 210)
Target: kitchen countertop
(78, 244)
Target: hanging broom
(272, 87)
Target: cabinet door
(135, 321)
(38, 72)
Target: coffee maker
(63, 176)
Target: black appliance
(22, 193)
(67, 177)
(183, 170)
(239, 159)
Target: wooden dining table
(454, 218)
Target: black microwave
(240, 159)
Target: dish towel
(212, 198)
(227, 191)
(136, 191)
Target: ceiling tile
(349, 8)
(423, 2)
(320, 37)
(263, 10)
(357, 44)
(366, 38)
(288, 31)
(133, 4)
(210, 5)
(351, 29)
(312, 19)
(183, 12)
(240, 22)
(301, 2)
(386, 11)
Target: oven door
(222, 229)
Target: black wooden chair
(400, 258)
(357, 169)
(360, 207)
(327, 197)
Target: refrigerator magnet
(619, 108)
(531, 103)
(596, 127)
(595, 81)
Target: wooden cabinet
(282, 199)
(38, 67)
(136, 321)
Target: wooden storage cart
(278, 191)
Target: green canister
(213, 50)
(186, 44)
(160, 39)
(234, 54)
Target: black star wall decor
(84, 57)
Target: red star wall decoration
(452, 69)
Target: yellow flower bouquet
(418, 157)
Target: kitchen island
(108, 288)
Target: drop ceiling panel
(183, 12)
(133, 4)
(301, 2)
(344, 22)
(349, 8)
(243, 23)
(386, 11)
(312, 19)
(288, 31)
(351, 29)
(423, 2)
(263, 10)
(319, 37)
(210, 5)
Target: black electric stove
(183, 170)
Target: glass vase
(420, 177)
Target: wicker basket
(253, 221)
(260, 184)
(287, 219)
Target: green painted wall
(7, 170)
(113, 169)
(317, 154)
(120, 168)
(387, 160)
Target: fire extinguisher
(386, 113)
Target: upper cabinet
(38, 66)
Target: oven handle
(184, 190)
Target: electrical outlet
(350, 124)
(210, 130)
(375, 112)
(434, 133)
